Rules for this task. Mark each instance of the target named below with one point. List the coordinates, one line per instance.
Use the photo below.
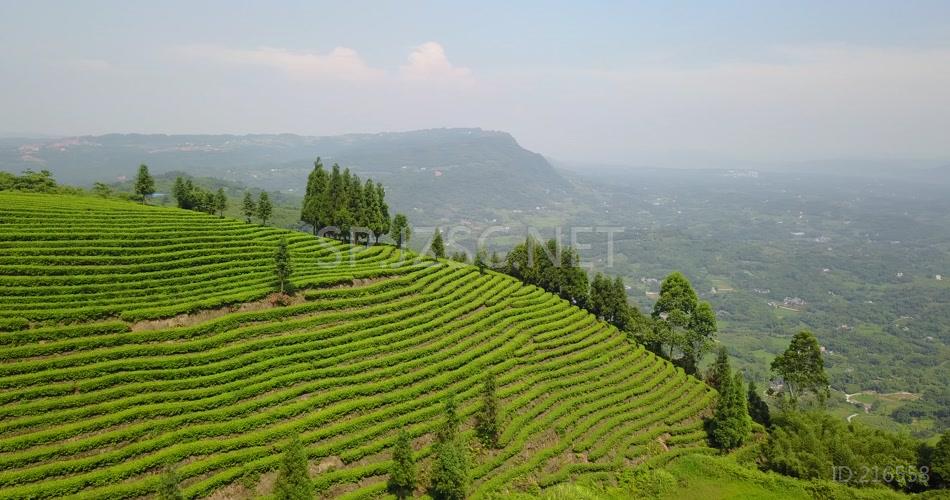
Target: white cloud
(341, 63)
(428, 62)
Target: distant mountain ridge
(459, 167)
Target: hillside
(106, 379)
(469, 170)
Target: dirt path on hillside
(271, 301)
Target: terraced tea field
(96, 397)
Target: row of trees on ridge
(192, 197)
(339, 203)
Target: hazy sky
(612, 81)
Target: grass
(93, 405)
(706, 476)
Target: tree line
(806, 442)
(681, 328)
(29, 181)
(338, 203)
(192, 197)
(802, 440)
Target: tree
(372, 208)
(402, 477)
(102, 189)
(29, 180)
(220, 202)
(192, 197)
(608, 300)
(700, 334)
(572, 283)
(264, 207)
(459, 257)
(496, 261)
(450, 464)
(438, 246)
(384, 222)
(293, 479)
(144, 183)
(486, 421)
(816, 444)
(181, 194)
(282, 265)
(599, 296)
(551, 267)
(400, 230)
(940, 462)
(336, 198)
(481, 260)
(719, 370)
(357, 208)
(683, 322)
(316, 189)
(731, 424)
(449, 429)
(205, 200)
(248, 208)
(168, 489)
(802, 369)
(758, 408)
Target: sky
(611, 82)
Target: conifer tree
(481, 260)
(357, 205)
(336, 199)
(264, 207)
(384, 222)
(311, 211)
(400, 230)
(373, 213)
(450, 465)
(449, 429)
(719, 370)
(220, 202)
(599, 296)
(496, 261)
(940, 462)
(486, 421)
(178, 191)
(620, 310)
(248, 207)
(438, 246)
(282, 265)
(144, 183)
(402, 477)
(731, 424)
(324, 204)
(102, 189)
(758, 408)
(168, 488)
(344, 214)
(293, 479)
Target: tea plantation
(97, 398)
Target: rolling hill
(437, 173)
(142, 337)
